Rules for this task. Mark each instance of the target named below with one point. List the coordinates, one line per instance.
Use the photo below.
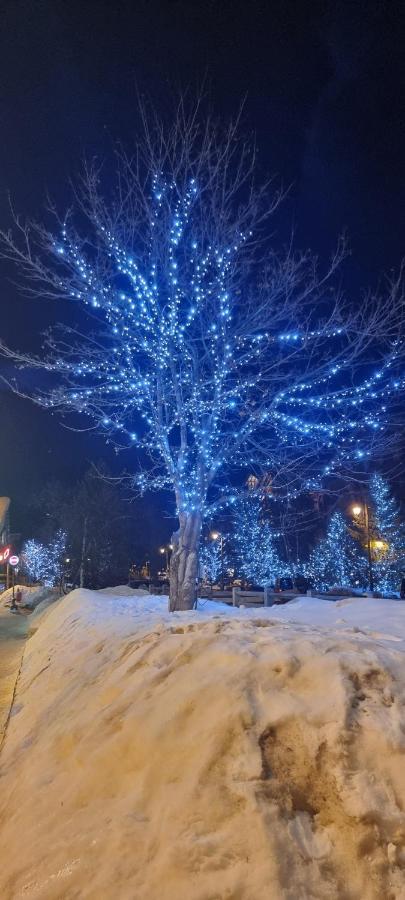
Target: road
(13, 633)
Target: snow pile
(31, 595)
(222, 753)
(122, 590)
(26, 591)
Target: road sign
(4, 554)
(14, 560)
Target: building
(4, 521)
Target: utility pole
(215, 535)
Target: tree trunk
(184, 563)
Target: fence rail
(253, 598)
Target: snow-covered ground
(31, 595)
(221, 754)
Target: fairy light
(337, 561)
(180, 376)
(255, 542)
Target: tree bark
(184, 563)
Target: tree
(388, 535)
(205, 347)
(212, 562)
(336, 560)
(33, 559)
(45, 562)
(100, 524)
(255, 542)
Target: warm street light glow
(162, 550)
(215, 535)
(356, 510)
(379, 544)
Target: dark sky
(324, 87)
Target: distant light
(356, 510)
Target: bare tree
(205, 349)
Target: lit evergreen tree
(337, 559)
(55, 556)
(388, 535)
(255, 542)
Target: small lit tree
(33, 557)
(388, 535)
(337, 560)
(212, 562)
(205, 347)
(255, 542)
(45, 562)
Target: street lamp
(357, 510)
(216, 535)
(165, 550)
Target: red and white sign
(14, 560)
(4, 554)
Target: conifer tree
(337, 560)
(388, 535)
(255, 542)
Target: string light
(255, 543)
(179, 374)
(44, 562)
(337, 561)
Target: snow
(219, 754)
(31, 595)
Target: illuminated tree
(33, 560)
(388, 535)
(337, 559)
(255, 542)
(45, 562)
(205, 348)
(211, 562)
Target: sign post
(12, 561)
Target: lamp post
(166, 551)
(217, 535)
(357, 510)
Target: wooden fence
(253, 598)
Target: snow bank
(32, 595)
(222, 753)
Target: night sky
(324, 88)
